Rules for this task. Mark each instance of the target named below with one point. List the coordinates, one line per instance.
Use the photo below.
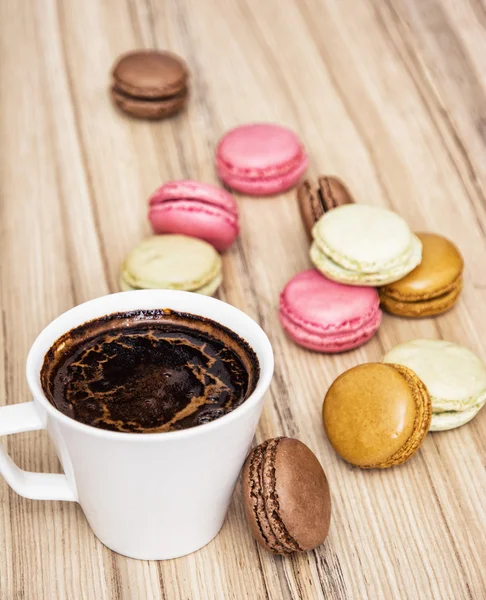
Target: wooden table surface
(390, 96)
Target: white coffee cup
(152, 495)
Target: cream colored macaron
(175, 262)
(358, 244)
(454, 376)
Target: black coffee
(149, 371)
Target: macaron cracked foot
(175, 262)
(195, 209)
(286, 496)
(376, 416)
(357, 244)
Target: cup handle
(17, 418)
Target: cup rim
(265, 357)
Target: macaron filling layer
(267, 173)
(194, 190)
(264, 186)
(413, 253)
(194, 206)
(337, 342)
(337, 272)
(391, 291)
(118, 90)
(446, 405)
(207, 290)
(422, 307)
(443, 421)
(190, 285)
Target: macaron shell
(375, 417)
(301, 494)
(198, 219)
(455, 377)
(172, 262)
(150, 73)
(364, 238)
(337, 273)
(310, 206)
(437, 274)
(186, 189)
(422, 308)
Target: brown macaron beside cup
(286, 496)
(315, 201)
(150, 84)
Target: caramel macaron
(150, 84)
(431, 288)
(314, 201)
(286, 496)
(377, 417)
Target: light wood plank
(387, 95)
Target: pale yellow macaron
(175, 262)
(358, 244)
(454, 376)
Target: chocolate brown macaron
(316, 201)
(150, 84)
(286, 496)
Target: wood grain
(388, 95)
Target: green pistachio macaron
(174, 262)
(454, 376)
(364, 245)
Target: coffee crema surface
(149, 371)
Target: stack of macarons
(194, 221)
(357, 246)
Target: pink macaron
(260, 159)
(195, 209)
(327, 316)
